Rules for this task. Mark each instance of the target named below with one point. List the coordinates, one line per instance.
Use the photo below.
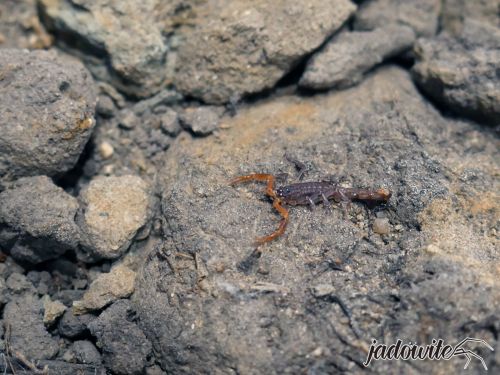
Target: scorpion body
(309, 193)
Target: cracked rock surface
(238, 50)
(462, 70)
(229, 309)
(123, 248)
(47, 104)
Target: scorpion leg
(326, 202)
(311, 203)
(345, 202)
(281, 229)
(276, 202)
(269, 178)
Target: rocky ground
(123, 249)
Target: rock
(64, 368)
(421, 15)
(40, 216)
(128, 119)
(47, 98)
(206, 318)
(71, 325)
(163, 98)
(461, 72)
(105, 106)
(454, 13)
(106, 150)
(18, 284)
(118, 283)
(137, 137)
(113, 211)
(155, 370)
(83, 352)
(170, 123)
(237, 50)
(68, 296)
(201, 120)
(52, 310)
(124, 346)
(125, 36)
(381, 226)
(23, 316)
(4, 294)
(20, 26)
(344, 60)
(9, 266)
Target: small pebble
(107, 170)
(128, 120)
(105, 106)
(170, 123)
(52, 310)
(433, 249)
(106, 150)
(381, 226)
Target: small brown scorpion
(309, 193)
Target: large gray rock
(454, 13)
(27, 334)
(124, 346)
(37, 220)
(211, 305)
(47, 105)
(349, 55)
(114, 211)
(237, 49)
(126, 33)
(461, 72)
(421, 15)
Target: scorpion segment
(281, 229)
(276, 203)
(257, 177)
(368, 195)
(384, 194)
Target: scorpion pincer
(309, 193)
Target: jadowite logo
(437, 350)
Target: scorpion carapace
(309, 193)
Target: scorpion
(309, 193)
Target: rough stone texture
(113, 211)
(57, 367)
(201, 120)
(170, 122)
(348, 56)
(209, 305)
(454, 13)
(462, 72)
(421, 15)
(108, 287)
(71, 325)
(139, 135)
(47, 103)
(23, 315)
(37, 220)
(237, 49)
(125, 34)
(124, 346)
(19, 284)
(20, 26)
(83, 352)
(4, 297)
(52, 310)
